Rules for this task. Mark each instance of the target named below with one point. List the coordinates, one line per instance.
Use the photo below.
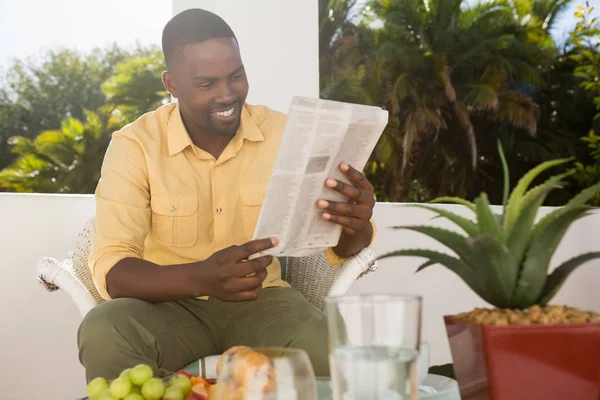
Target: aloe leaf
(425, 265)
(519, 235)
(455, 265)
(552, 182)
(505, 173)
(488, 221)
(514, 202)
(498, 267)
(584, 196)
(454, 241)
(558, 277)
(465, 224)
(535, 267)
(579, 200)
(454, 200)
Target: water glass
(374, 345)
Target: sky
(27, 27)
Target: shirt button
(219, 210)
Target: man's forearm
(349, 245)
(141, 279)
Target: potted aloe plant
(521, 348)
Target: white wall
(279, 45)
(38, 329)
(38, 356)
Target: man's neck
(211, 143)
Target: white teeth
(225, 114)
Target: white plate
(445, 388)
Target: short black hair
(192, 26)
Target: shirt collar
(178, 138)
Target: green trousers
(121, 333)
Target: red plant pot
(525, 362)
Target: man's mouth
(225, 114)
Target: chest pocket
(252, 197)
(175, 220)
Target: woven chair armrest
(315, 278)
(354, 269)
(54, 275)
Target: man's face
(209, 81)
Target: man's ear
(169, 83)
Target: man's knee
(107, 319)
(107, 327)
(311, 335)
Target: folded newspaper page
(318, 136)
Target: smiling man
(176, 208)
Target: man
(176, 208)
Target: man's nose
(225, 94)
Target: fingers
(247, 283)
(349, 224)
(256, 246)
(353, 192)
(360, 191)
(346, 209)
(242, 252)
(248, 295)
(356, 177)
(253, 266)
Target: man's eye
(238, 76)
(204, 85)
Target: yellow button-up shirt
(163, 199)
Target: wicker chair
(312, 276)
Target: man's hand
(228, 275)
(354, 216)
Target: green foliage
(586, 41)
(36, 94)
(589, 174)
(94, 96)
(505, 258)
(66, 160)
(135, 86)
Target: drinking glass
(374, 345)
(265, 373)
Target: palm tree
(445, 63)
(66, 160)
(347, 53)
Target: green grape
(125, 373)
(120, 388)
(140, 374)
(182, 382)
(107, 396)
(96, 387)
(153, 389)
(173, 393)
(134, 396)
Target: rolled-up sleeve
(123, 214)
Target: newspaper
(318, 136)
